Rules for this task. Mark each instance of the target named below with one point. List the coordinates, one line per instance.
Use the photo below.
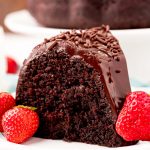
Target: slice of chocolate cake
(78, 81)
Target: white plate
(46, 144)
(22, 22)
(135, 43)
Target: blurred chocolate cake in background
(119, 14)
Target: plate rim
(15, 27)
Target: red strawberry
(6, 102)
(19, 124)
(134, 119)
(12, 66)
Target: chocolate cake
(81, 14)
(78, 82)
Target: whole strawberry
(12, 66)
(134, 119)
(6, 102)
(19, 124)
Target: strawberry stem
(28, 107)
